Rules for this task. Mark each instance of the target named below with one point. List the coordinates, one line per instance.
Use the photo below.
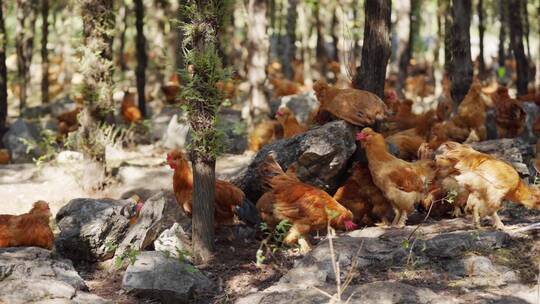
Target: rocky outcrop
(321, 155)
(15, 139)
(36, 275)
(90, 229)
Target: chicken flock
(412, 161)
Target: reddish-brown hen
(29, 229)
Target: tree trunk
(141, 55)
(3, 73)
(440, 37)
(538, 50)
(461, 71)
(407, 54)
(123, 12)
(258, 45)
(526, 26)
(481, 30)
(98, 27)
(304, 18)
(447, 36)
(320, 49)
(516, 42)
(44, 52)
(179, 61)
(289, 51)
(335, 38)
(24, 41)
(371, 73)
(204, 180)
(502, 33)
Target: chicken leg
(496, 221)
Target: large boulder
(446, 262)
(90, 229)
(321, 154)
(160, 212)
(169, 280)
(36, 275)
(21, 131)
(531, 110)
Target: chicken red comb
(349, 225)
(361, 136)
(279, 113)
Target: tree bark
(335, 38)
(24, 41)
(526, 27)
(320, 49)
(44, 52)
(98, 27)
(258, 45)
(123, 12)
(204, 180)
(407, 54)
(502, 33)
(447, 36)
(516, 42)
(304, 18)
(371, 73)
(289, 51)
(179, 60)
(3, 73)
(141, 55)
(461, 71)
(481, 30)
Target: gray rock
(21, 130)
(173, 241)
(166, 279)
(61, 105)
(301, 105)
(321, 154)
(90, 229)
(532, 113)
(159, 213)
(31, 274)
(234, 128)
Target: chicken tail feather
(247, 212)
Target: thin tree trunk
(44, 52)
(258, 45)
(26, 20)
(179, 60)
(447, 36)
(407, 54)
(516, 42)
(376, 49)
(481, 30)
(123, 12)
(304, 18)
(538, 54)
(335, 38)
(440, 37)
(289, 47)
(320, 49)
(141, 55)
(3, 73)
(526, 27)
(204, 180)
(502, 33)
(461, 72)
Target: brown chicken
(68, 122)
(409, 141)
(472, 111)
(509, 115)
(306, 207)
(290, 125)
(264, 133)
(4, 157)
(489, 181)
(229, 199)
(360, 195)
(284, 87)
(419, 86)
(227, 87)
(171, 89)
(29, 229)
(402, 183)
(357, 107)
(130, 111)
